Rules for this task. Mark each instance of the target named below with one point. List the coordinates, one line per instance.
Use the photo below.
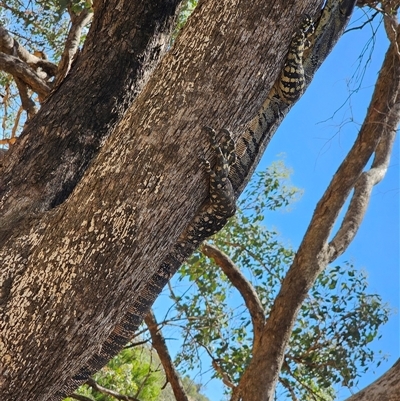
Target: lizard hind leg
(221, 203)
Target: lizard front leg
(221, 203)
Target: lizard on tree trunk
(296, 74)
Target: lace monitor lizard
(233, 167)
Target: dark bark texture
(71, 274)
(123, 46)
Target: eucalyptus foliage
(336, 324)
(41, 27)
(131, 373)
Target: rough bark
(385, 388)
(124, 44)
(70, 274)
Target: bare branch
(19, 69)
(225, 377)
(387, 122)
(160, 346)
(314, 252)
(362, 194)
(287, 385)
(72, 42)
(240, 282)
(359, 27)
(391, 22)
(27, 103)
(137, 344)
(109, 392)
(12, 47)
(16, 123)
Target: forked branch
(78, 22)
(375, 138)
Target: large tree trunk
(69, 275)
(122, 48)
(385, 388)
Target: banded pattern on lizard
(249, 149)
(251, 145)
(222, 203)
(288, 88)
(292, 81)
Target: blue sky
(315, 138)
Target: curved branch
(225, 377)
(386, 387)
(72, 43)
(386, 122)
(244, 287)
(362, 194)
(19, 69)
(160, 346)
(27, 103)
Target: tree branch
(160, 346)
(19, 69)
(109, 392)
(12, 47)
(80, 397)
(226, 379)
(361, 196)
(314, 252)
(72, 43)
(27, 103)
(385, 388)
(386, 122)
(240, 282)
